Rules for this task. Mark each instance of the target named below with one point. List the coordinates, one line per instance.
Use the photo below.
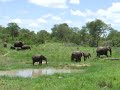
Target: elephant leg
(98, 55)
(84, 59)
(40, 62)
(72, 59)
(88, 57)
(46, 61)
(79, 59)
(33, 62)
(106, 54)
(76, 60)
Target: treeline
(93, 33)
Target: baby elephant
(12, 47)
(5, 44)
(86, 55)
(24, 47)
(38, 58)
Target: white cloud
(18, 21)
(52, 17)
(81, 13)
(68, 21)
(75, 1)
(77, 13)
(115, 7)
(47, 15)
(41, 20)
(34, 25)
(50, 3)
(110, 15)
(56, 18)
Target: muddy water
(33, 72)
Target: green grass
(102, 74)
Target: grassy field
(102, 74)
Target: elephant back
(77, 53)
(18, 44)
(101, 48)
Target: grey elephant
(5, 44)
(18, 44)
(76, 56)
(86, 55)
(24, 47)
(38, 58)
(103, 51)
(12, 47)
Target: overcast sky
(43, 14)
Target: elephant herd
(75, 56)
(19, 45)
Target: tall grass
(101, 74)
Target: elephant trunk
(46, 61)
(110, 52)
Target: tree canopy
(93, 33)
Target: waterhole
(35, 72)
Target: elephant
(5, 44)
(39, 58)
(12, 47)
(24, 47)
(86, 55)
(76, 56)
(103, 51)
(18, 44)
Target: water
(33, 72)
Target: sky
(37, 15)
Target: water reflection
(33, 72)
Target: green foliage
(101, 74)
(62, 32)
(42, 36)
(114, 38)
(13, 29)
(94, 33)
(96, 29)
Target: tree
(61, 32)
(42, 36)
(14, 28)
(114, 38)
(96, 29)
(4, 34)
(75, 35)
(25, 35)
(84, 35)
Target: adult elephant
(103, 51)
(38, 58)
(76, 56)
(18, 44)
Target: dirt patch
(6, 54)
(81, 65)
(74, 66)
